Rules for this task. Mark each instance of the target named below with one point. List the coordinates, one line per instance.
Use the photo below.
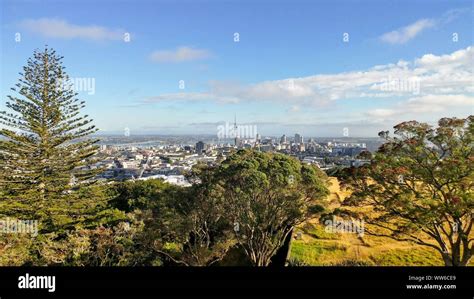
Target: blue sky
(291, 69)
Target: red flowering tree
(419, 187)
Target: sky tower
(236, 135)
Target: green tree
(419, 187)
(206, 228)
(265, 195)
(185, 226)
(45, 153)
(140, 195)
(150, 202)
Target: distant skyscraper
(302, 147)
(258, 138)
(236, 132)
(298, 138)
(200, 146)
(283, 139)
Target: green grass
(320, 248)
(316, 252)
(318, 232)
(408, 257)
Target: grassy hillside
(320, 248)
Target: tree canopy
(419, 187)
(46, 155)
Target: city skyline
(325, 136)
(320, 70)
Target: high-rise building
(298, 138)
(236, 132)
(302, 147)
(283, 139)
(200, 147)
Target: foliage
(266, 195)
(251, 199)
(45, 155)
(419, 187)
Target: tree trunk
(455, 260)
(447, 260)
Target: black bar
(290, 282)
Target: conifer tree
(45, 152)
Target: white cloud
(294, 109)
(445, 74)
(460, 58)
(404, 34)
(434, 103)
(59, 28)
(381, 113)
(181, 54)
(189, 97)
(424, 105)
(407, 33)
(430, 83)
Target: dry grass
(320, 248)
